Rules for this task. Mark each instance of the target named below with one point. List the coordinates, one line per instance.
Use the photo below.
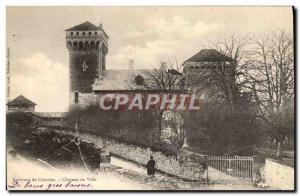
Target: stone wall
(168, 164)
(83, 98)
(21, 109)
(278, 175)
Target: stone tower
(88, 46)
(200, 68)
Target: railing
(236, 166)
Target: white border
(5, 3)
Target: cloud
(161, 39)
(43, 81)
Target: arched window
(92, 45)
(75, 46)
(69, 45)
(86, 45)
(98, 45)
(77, 33)
(83, 33)
(71, 33)
(76, 97)
(80, 45)
(90, 33)
(95, 32)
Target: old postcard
(150, 98)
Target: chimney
(163, 64)
(131, 64)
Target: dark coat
(151, 167)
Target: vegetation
(136, 128)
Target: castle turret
(88, 46)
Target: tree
(272, 84)
(232, 81)
(229, 115)
(166, 78)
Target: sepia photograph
(150, 98)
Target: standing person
(151, 167)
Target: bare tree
(166, 78)
(272, 83)
(232, 81)
(226, 80)
(229, 110)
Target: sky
(39, 64)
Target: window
(95, 32)
(71, 33)
(83, 33)
(77, 33)
(76, 97)
(139, 80)
(90, 33)
(84, 66)
(209, 80)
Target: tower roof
(86, 26)
(209, 55)
(21, 101)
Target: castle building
(21, 104)
(88, 47)
(89, 78)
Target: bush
(19, 126)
